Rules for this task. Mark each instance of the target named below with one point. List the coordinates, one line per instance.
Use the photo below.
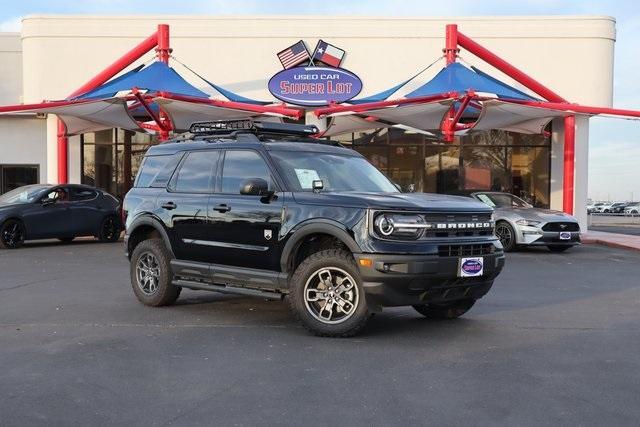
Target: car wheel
(12, 234)
(448, 311)
(109, 229)
(326, 294)
(66, 239)
(507, 235)
(558, 248)
(151, 275)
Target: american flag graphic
(294, 55)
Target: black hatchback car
(269, 212)
(63, 212)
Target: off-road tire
(448, 311)
(166, 293)
(12, 226)
(331, 258)
(558, 248)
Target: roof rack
(234, 127)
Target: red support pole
(451, 43)
(569, 163)
(120, 64)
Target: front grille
(465, 250)
(458, 218)
(561, 226)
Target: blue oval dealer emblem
(471, 266)
(315, 86)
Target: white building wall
(21, 142)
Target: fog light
(366, 262)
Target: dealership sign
(316, 79)
(315, 86)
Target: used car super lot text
(556, 341)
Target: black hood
(394, 201)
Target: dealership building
(55, 54)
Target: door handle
(169, 206)
(222, 208)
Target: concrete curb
(613, 240)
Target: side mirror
(254, 187)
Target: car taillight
(123, 216)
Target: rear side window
(82, 194)
(240, 165)
(156, 171)
(196, 172)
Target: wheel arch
(309, 230)
(144, 227)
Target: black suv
(266, 210)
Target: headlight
(399, 226)
(528, 222)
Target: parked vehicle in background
(520, 224)
(603, 208)
(262, 209)
(632, 209)
(618, 207)
(594, 208)
(63, 212)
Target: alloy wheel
(331, 295)
(148, 273)
(503, 232)
(12, 235)
(109, 228)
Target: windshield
(502, 200)
(26, 194)
(338, 172)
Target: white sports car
(520, 224)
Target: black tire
(308, 279)
(448, 311)
(558, 248)
(12, 234)
(66, 240)
(151, 275)
(507, 235)
(109, 229)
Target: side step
(228, 289)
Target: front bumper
(396, 280)
(534, 236)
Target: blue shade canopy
(456, 77)
(381, 96)
(157, 77)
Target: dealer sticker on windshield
(471, 267)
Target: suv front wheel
(326, 294)
(151, 274)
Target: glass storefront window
(111, 158)
(492, 160)
(14, 176)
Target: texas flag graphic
(327, 54)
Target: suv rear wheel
(151, 275)
(326, 294)
(451, 310)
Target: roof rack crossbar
(251, 126)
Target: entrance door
(244, 229)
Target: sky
(614, 151)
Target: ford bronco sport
(263, 209)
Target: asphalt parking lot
(557, 341)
